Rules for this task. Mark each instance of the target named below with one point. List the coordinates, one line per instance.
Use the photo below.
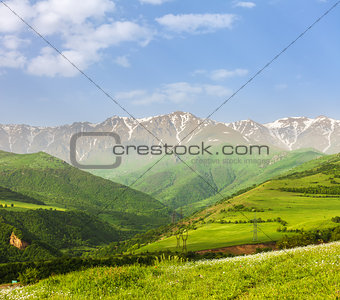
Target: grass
(214, 236)
(302, 273)
(21, 206)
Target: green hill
(35, 251)
(54, 182)
(306, 198)
(48, 232)
(178, 187)
(300, 273)
(250, 175)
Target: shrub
(336, 219)
(29, 276)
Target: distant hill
(54, 182)
(178, 187)
(305, 198)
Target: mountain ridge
(292, 133)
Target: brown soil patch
(240, 249)
(9, 285)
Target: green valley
(178, 187)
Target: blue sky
(157, 56)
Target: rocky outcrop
(18, 243)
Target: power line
(201, 123)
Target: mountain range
(321, 133)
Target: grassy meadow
(311, 272)
(300, 212)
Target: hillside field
(22, 206)
(304, 199)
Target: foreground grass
(300, 273)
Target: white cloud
(112, 34)
(197, 23)
(154, 2)
(119, 32)
(12, 59)
(178, 92)
(181, 91)
(13, 42)
(281, 86)
(123, 61)
(52, 16)
(245, 4)
(199, 72)
(84, 47)
(132, 94)
(217, 90)
(55, 16)
(51, 64)
(221, 74)
(10, 53)
(83, 27)
(9, 23)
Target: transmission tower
(174, 217)
(178, 238)
(185, 234)
(255, 229)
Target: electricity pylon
(174, 217)
(185, 235)
(178, 238)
